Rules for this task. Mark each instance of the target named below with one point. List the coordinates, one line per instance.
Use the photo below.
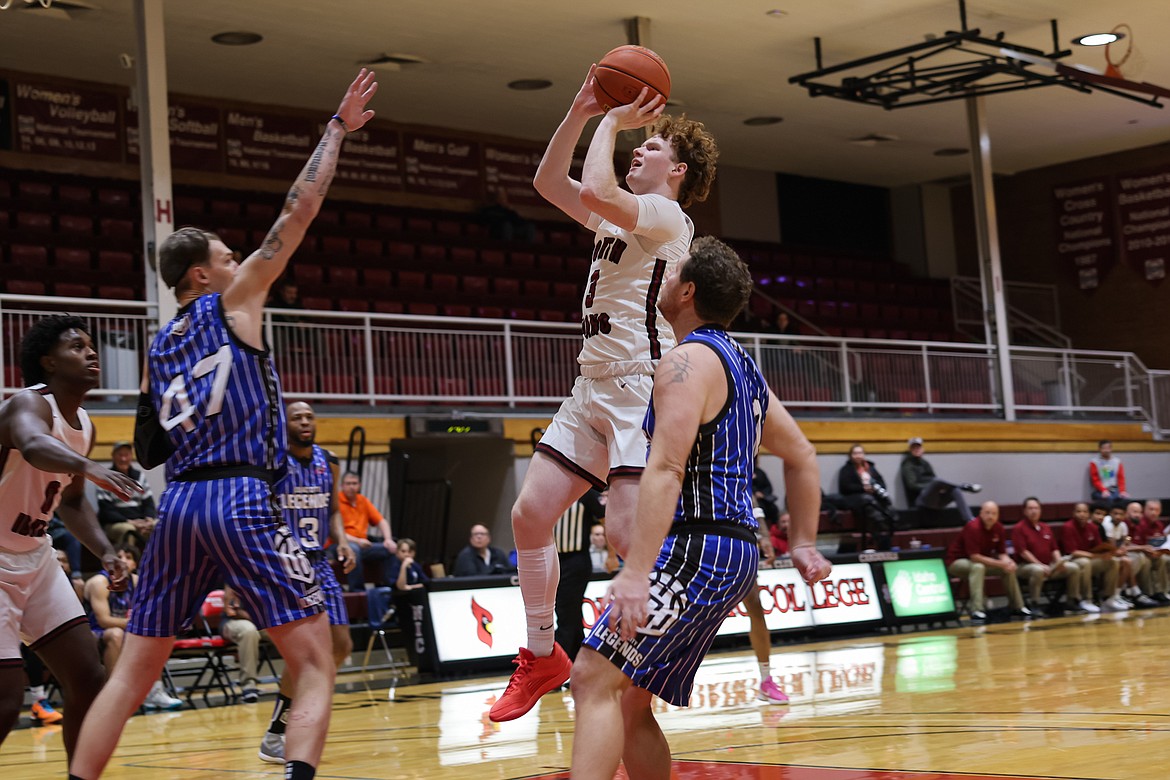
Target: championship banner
(442, 165)
(1143, 214)
(1084, 229)
(66, 120)
(196, 130)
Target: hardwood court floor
(1067, 698)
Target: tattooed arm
(244, 299)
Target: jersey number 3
(176, 394)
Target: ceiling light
(237, 38)
(528, 85)
(951, 151)
(761, 121)
(1098, 39)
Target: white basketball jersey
(619, 312)
(28, 495)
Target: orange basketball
(623, 72)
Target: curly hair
(694, 146)
(40, 340)
(182, 249)
(722, 280)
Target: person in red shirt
(1040, 559)
(1145, 525)
(1080, 537)
(979, 547)
(779, 534)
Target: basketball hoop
(1123, 58)
(5, 4)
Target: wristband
(341, 122)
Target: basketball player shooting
(596, 438)
(213, 411)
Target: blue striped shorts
(221, 531)
(330, 590)
(697, 581)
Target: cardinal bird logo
(483, 623)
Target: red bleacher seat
(358, 219)
(421, 307)
(489, 312)
(116, 228)
(891, 312)
(343, 275)
(846, 310)
(870, 312)
(28, 255)
(463, 254)
(75, 224)
(116, 292)
(376, 279)
(523, 314)
(368, 246)
(71, 258)
(388, 222)
(317, 303)
(187, 207)
(537, 288)
(444, 282)
(419, 225)
(112, 261)
(550, 315)
(71, 290)
(74, 193)
(506, 285)
(233, 237)
(577, 266)
(25, 287)
(448, 227)
(565, 290)
(328, 217)
(388, 307)
(34, 220)
(491, 257)
(412, 280)
(432, 253)
(417, 385)
(335, 245)
(550, 262)
(522, 260)
(827, 310)
(475, 285)
(307, 274)
(224, 208)
(115, 198)
(298, 382)
(400, 250)
(353, 304)
(34, 190)
(456, 310)
(450, 385)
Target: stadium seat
(412, 280)
(376, 280)
(35, 221)
(371, 247)
(358, 219)
(343, 275)
(353, 304)
(25, 287)
(506, 285)
(389, 307)
(335, 246)
(419, 225)
(463, 254)
(72, 290)
(75, 224)
(308, 274)
(422, 307)
(116, 228)
(475, 285)
(316, 303)
(28, 255)
(494, 257)
(116, 292)
(444, 282)
(391, 223)
(522, 260)
(536, 288)
(72, 259)
(34, 190)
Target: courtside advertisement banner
(489, 622)
(919, 587)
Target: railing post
(1155, 422)
(846, 382)
(1128, 386)
(926, 378)
(509, 373)
(368, 342)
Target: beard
(307, 439)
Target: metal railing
(379, 359)
(1032, 309)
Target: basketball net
(5, 4)
(1123, 60)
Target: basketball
(623, 72)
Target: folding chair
(378, 609)
(211, 647)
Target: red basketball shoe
(533, 678)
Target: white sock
(765, 670)
(37, 691)
(540, 571)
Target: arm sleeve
(151, 445)
(1095, 478)
(659, 218)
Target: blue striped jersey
(717, 484)
(217, 399)
(304, 493)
